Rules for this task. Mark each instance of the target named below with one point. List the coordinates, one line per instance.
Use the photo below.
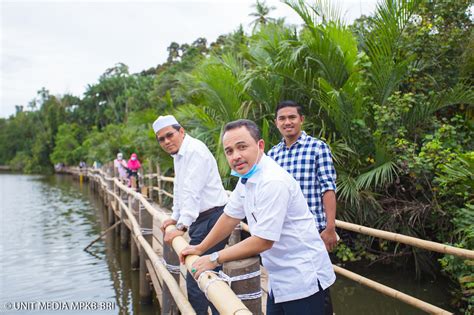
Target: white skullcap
(164, 121)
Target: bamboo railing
(219, 289)
(400, 238)
(218, 292)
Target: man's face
(289, 122)
(170, 139)
(241, 150)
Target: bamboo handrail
(182, 302)
(179, 243)
(391, 292)
(380, 287)
(163, 192)
(408, 240)
(219, 292)
(167, 179)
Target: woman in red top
(133, 165)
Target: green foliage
(68, 147)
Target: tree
(261, 14)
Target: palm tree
(261, 14)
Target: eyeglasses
(168, 136)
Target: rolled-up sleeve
(326, 173)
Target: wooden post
(235, 236)
(150, 180)
(146, 225)
(133, 182)
(124, 231)
(140, 182)
(172, 261)
(135, 261)
(247, 286)
(158, 178)
(110, 199)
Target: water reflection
(45, 224)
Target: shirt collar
(256, 177)
(184, 146)
(301, 139)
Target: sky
(64, 45)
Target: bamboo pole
(408, 240)
(391, 292)
(182, 302)
(158, 179)
(102, 234)
(167, 179)
(219, 293)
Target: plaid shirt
(309, 161)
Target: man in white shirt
(282, 228)
(199, 196)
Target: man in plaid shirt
(309, 161)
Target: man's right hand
(167, 222)
(190, 250)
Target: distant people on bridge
(283, 230)
(199, 195)
(96, 165)
(309, 161)
(133, 166)
(121, 166)
(82, 165)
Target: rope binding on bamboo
(221, 276)
(171, 268)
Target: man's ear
(261, 144)
(302, 119)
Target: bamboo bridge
(242, 287)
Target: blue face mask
(255, 168)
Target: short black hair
(289, 103)
(250, 125)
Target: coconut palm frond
(377, 176)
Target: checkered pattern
(309, 161)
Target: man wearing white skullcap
(199, 197)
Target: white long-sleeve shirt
(197, 185)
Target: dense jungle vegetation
(391, 94)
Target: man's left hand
(329, 237)
(169, 236)
(202, 264)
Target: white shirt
(197, 185)
(276, 210)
